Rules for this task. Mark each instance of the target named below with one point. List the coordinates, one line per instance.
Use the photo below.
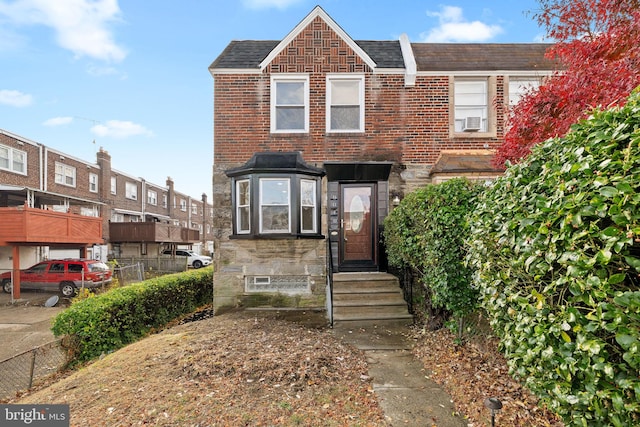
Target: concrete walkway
(25, 323)
(406, 395)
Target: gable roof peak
(315, 13)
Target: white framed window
(345, 103)
(93, 182)
(308, 200)
(131, 190)
(165, 200)
(65, 175)
(243, 206)
(13, 160)
(152, 197)
(117, 217)
(183, 205)
(518, 86)
(114, 186)
(92, 211)
(275, 205)
(471, 105)
(290, 103)
(194, 209)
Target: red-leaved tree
(597, 46)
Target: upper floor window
(280, 200)
(519, 86)
(183, 205)
(113, 185)
(93, 182)
(194, 209)
(471, 105)
(164, 200)
(13, 160)
(290, 103)
(152, 197)
(345, 103)
(131, 190)
(65, 175)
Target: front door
(358, 227)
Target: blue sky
(132, 76)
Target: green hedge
(556, 249)
(108, 321)
(427, 233)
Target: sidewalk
(406, 395)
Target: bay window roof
(276, 162)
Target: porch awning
(358, 171)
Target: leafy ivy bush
(108, 321)
(427, 233)
(556, 249)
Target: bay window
(275, 205)
(276, 198)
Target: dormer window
(276, 195)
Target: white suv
(193, 259)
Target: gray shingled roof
(247, 54)
(242, 54)
(386, 54)
(481, 56)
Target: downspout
(143, 200)
(44, 166)
(411, 69)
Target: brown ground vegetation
(247, 370)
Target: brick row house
(131, 217)
(317, 136)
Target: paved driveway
(26, 323)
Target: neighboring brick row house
(138, 218)
(317, 136)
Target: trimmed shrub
(556, 248)
(109, 321)
(427, 233)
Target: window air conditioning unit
(471, 123)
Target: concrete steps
(366, 299)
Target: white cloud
(58, 121)
(15, 98)
(120, 129)
(81, 26)
(266, 4)
(453, 27)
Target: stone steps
(366, 299)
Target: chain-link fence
(128, 274)
(19, 372)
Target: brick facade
(408, 122)
(78, 195)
